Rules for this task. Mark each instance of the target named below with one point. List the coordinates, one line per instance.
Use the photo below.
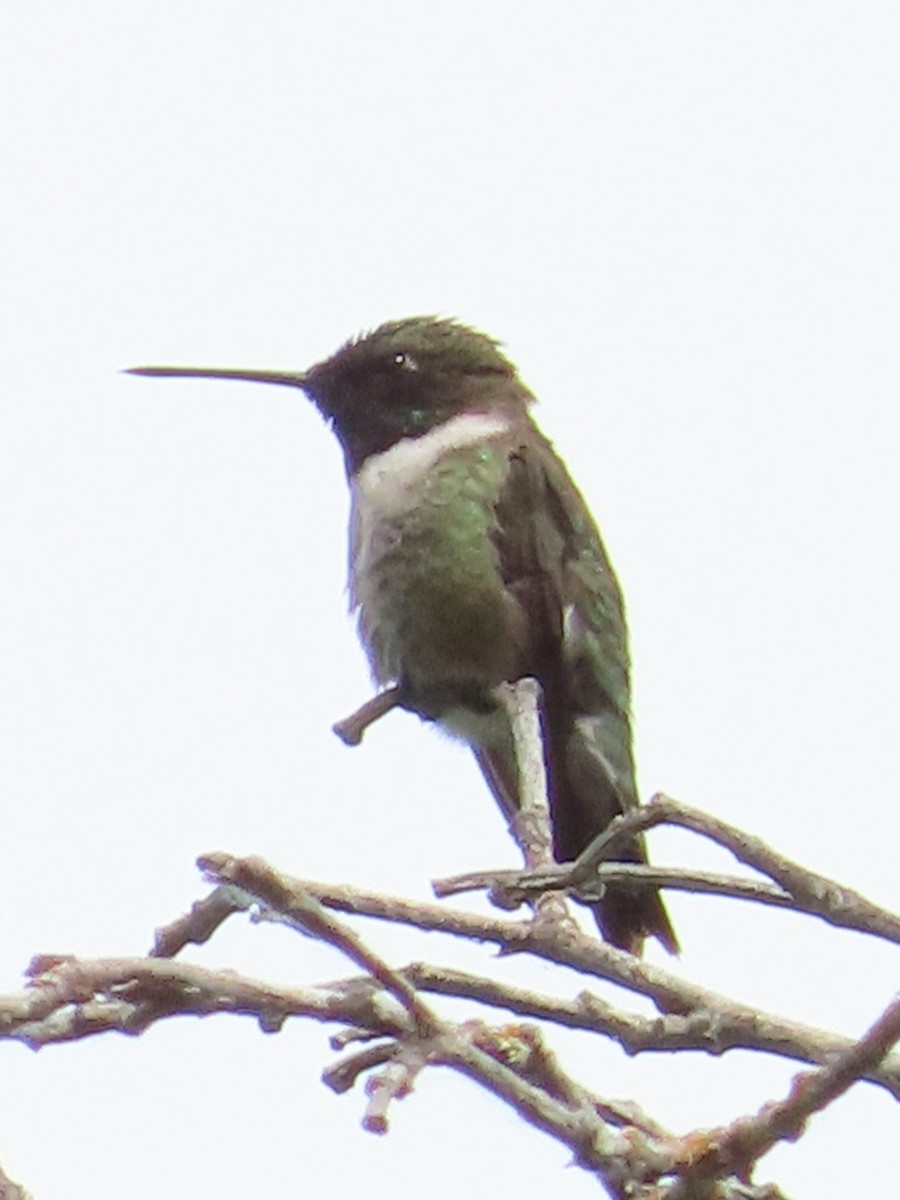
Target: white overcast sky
(682, 220)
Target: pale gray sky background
(682, 219)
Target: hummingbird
(474, 561)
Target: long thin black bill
(285, 378)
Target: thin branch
(73, 999)
(511, 1063)
(576, 950)
(305, 912)
(509, 888)
(745, 1141)
(10, 1190)
(436, 1041)
(638, 1034)
(712, 1022)
(342, 1076)
(351, 729)
(812, 893)
(70, 999)
(628, 1151)
(531, 825)
(199, 924)
(394, 1082)
(630, 1159)
(597, 1145)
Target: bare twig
(199, 924)
(630, 1158)
(510, 888)
(637, 1034)
(351, 729)
(712, 1022)
(532, 824)
(630, 1153)
(342, 1076)
(10, 1190)
(744, 1142)
(70, 999)
(74, 999)
(393, 1082)
(811, 893)
(576, 950)
(303, 910)
(574, 1119)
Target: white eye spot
(406, 361)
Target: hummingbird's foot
(352, 728)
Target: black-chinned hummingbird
(475, 561)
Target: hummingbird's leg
(352, 728)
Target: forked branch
(391, 1032)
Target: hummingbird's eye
(405, 361)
